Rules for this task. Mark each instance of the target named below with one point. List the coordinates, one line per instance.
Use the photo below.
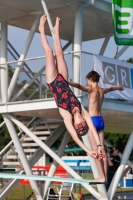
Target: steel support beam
(118, 174)
(99, 4)
(48, 16)
(125, 172)
(103, 5)
(77, 44)
(22, 155)
(121, 51)
(53, 155)
(66, 45)
(23, 55)
(55, 164)
(105, 43)
(3, 59)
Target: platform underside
(96, 23)
(115, 121)
(118, 115)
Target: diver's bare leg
(61, 63)
(51, 69)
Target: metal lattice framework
(13, 101)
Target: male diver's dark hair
(93, 75)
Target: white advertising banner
(114, 72)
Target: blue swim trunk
(98, 122)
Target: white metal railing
(35, 86)
(41, 57)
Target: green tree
(130, 60)
(32, 88)
(118, 140)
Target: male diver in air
(95, 100)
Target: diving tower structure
(81, 21)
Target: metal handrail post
(3, 59)
(40, 85)
(1, 166)
(77, 44)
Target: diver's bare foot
(57, 25)
(43, 21)
(101, 180)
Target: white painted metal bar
(103, 5)
(55, 164)
(21, 154)
(125, 172)
(47, 125)
(117, 176)
(27, 84)
(2, 124)
(121, 51)
(67, 45)
(23, 55)
(105, 43)
(101, 188)
(77, 44)
(52, 154)
(48, 16)
(3, 59)
(42, 57)
(40, 87)
(45, 178)
(33, 93)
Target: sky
(17, 37)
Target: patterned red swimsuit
(63, 95)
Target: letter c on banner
(106, 74)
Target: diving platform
(118, 112)
(22, 14)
